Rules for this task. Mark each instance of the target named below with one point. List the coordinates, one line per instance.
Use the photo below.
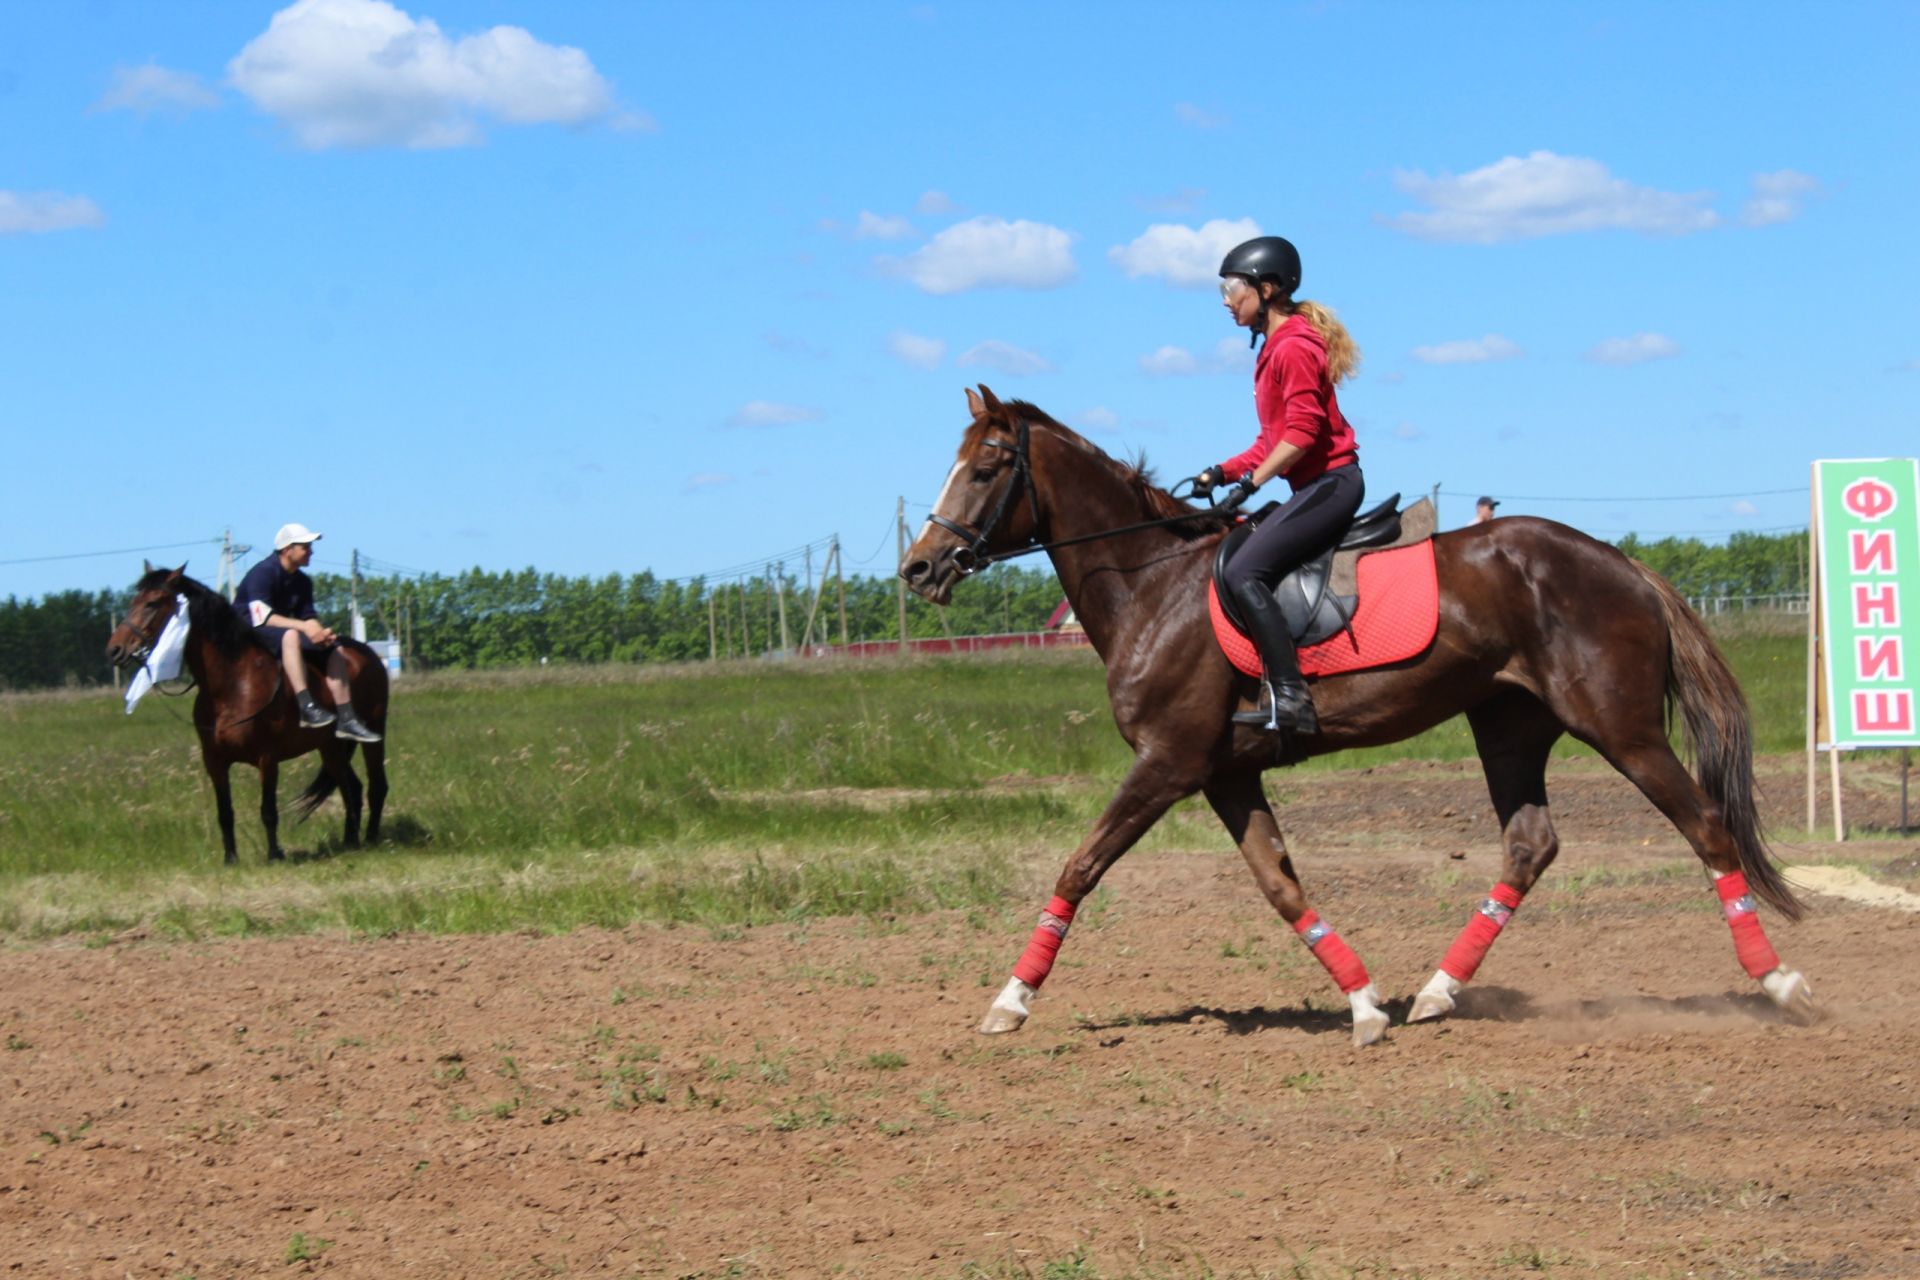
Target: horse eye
(982, 474)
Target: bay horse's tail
(1720, 734)
(315, 795)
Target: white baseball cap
(293, 533)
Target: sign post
(1864, 641)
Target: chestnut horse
(245, 713)
(1543, 631)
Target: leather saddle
(1319, 598)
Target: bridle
(975, 550)
(974, 556)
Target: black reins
(977, 557)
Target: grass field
(724, 795)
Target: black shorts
(273, 638)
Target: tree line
(483, 618)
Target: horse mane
(208, 612)
(1154, 502)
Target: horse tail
(1720, 737)
(315, 795)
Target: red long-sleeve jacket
(1296, 403)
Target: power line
(1690, 497)
(123, 551)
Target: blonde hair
(1343, 353)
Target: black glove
(1202, 486)
(1239, 493)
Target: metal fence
(1788, 602)
(954, 644)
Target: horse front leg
(220, 771)
(270, 807)
(1243, 809)
(1146, 793)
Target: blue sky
(609, 287)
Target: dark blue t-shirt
(268, 589)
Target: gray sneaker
(313, 715)
(349, 726)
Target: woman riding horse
(1304, 437)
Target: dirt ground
(1613, 1098)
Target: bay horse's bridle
(974, 556)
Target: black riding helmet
(1265, 258)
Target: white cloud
(1638, 349)
(1229, 355)
(1777, 197)
(1198, 117)
(987, 252)
(1543, 195)
(362, 73)
(155, 88)
(1100, 419)
(935, 204)
(1169, 362)
(1407, 431)
(1469, 351)
(1004, 357)
(872, 226)
(705, 480)
(767, 413)
(1744, 508)
(1186, 256)
(911, 348)
(30, 212)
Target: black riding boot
(1289, 705)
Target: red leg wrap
(1470, 948)
(1329, 950)
(1037, 961)
(1750, 943)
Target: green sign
(1866, 537)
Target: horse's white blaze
(946, 491)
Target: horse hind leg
(1652, 766)
(1242, 807)
(375, 755)
(222, 774)
(1514, 734)
(340, 765)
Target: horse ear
(146, 565)
(181, 572)
(993, 402)
(975, 405)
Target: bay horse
(1542, 631)
(245, 713)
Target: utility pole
(780, 587)
(1436, 504)
(713, 633)
(359, 624)
(900, 537)
(230, 551)
(840, 580)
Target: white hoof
(1369, 1019)
(1009, 1009)
(1436, 998)
(1789, 990)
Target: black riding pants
(1310, 522)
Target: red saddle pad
(1398, 615)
